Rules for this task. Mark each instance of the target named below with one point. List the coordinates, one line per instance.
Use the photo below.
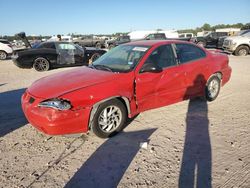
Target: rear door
(192, 60)
(159, 89)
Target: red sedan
(127, 80)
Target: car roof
(154, 42)
(58, 42)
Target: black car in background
(54, 54)
(119, 40)
(210, 39)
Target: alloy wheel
(41, 64)
(110, 119)
(243, 52)
(213, 88)
(3, 55)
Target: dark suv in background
(119, 40)
(210, 39)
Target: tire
(111, 46)
(98, 45)
(41, 64)
(3, 55)
(94, 57)
(241, 51)
(212, 88)
(113, 123)
(201, 43)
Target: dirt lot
(189, 143)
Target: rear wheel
(109, 118)
(242, 51)
(3, 55)
(41, 64)
(212, 88)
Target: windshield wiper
(101, 67)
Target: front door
(158, 89)
(66, 53)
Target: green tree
(246, 26)
(206, 27)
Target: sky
(51, 17)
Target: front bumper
(229, 49)
(54, 122)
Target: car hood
(236, 38)
(61, 83)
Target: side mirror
(150, 67)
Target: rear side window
(47, 45)
(66, 46)
(188, 52)
(163, 56)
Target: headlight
(233, 43)
(59, 104)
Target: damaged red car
(127, 80)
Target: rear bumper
(54, 122)
(21, 65)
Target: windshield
(242, 32)
(246, 34)
(121, 58)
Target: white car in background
(5, 49)
(239, 45)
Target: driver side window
(163, 56)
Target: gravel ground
(192, 143)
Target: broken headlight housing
(58, 104)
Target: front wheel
(212, 88)
(242, 51)
(109, 118)
(3, 55)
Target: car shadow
(11, 114)
(107, 165)
(196, 161)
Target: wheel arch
(124, 100)
(3, 51)
(41, 56)
(246, 45)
